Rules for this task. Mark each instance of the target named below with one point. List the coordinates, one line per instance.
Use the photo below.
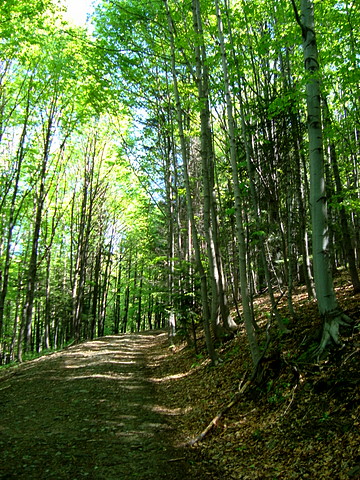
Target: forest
(169, 165)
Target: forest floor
(89, 411)
(301, 421)
(126, 407)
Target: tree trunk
(31, 280)
(247, 313)
(117, 309)
(104, 293)
(219, 299)
(127, 295)
(95, 292)
(345, 230)
(329, 310)
(89, 193)
(4, 278)
(189, 205)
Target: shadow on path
(88, 412)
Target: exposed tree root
(332, 322)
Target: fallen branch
(222, 412)
(242, 389)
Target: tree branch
(298, 19)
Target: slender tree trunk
(31, 281)
(302, 194)
(189, 205)
(150, 311)
(347, 241)
(220, 314)
(247, 313)
(104, 293)
(250, 168)
(47, 313)
(80, 269)
(117, 312)
(13, 214)
(95, 292)
(332, 316)
(134, 291)
(4, 277)
(255, 204)
(170, 234)
(139, 312)
(89, 193)
(127, 295)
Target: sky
(77, 10)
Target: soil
(91, 411)
(127, 407)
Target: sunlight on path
(88, 412)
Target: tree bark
(25, 333)
(247, 313)
(219, 299)
(4, 275)
(329, 310)
(345, 230)
(189, 202)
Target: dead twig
(243, 386)
(222, 412)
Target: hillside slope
(302, 420)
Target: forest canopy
(168, 166)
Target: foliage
(95, 147)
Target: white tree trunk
(325, 294)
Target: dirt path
(88, 412)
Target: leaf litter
(301, 421)
(126, 407)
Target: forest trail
(89, 412)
